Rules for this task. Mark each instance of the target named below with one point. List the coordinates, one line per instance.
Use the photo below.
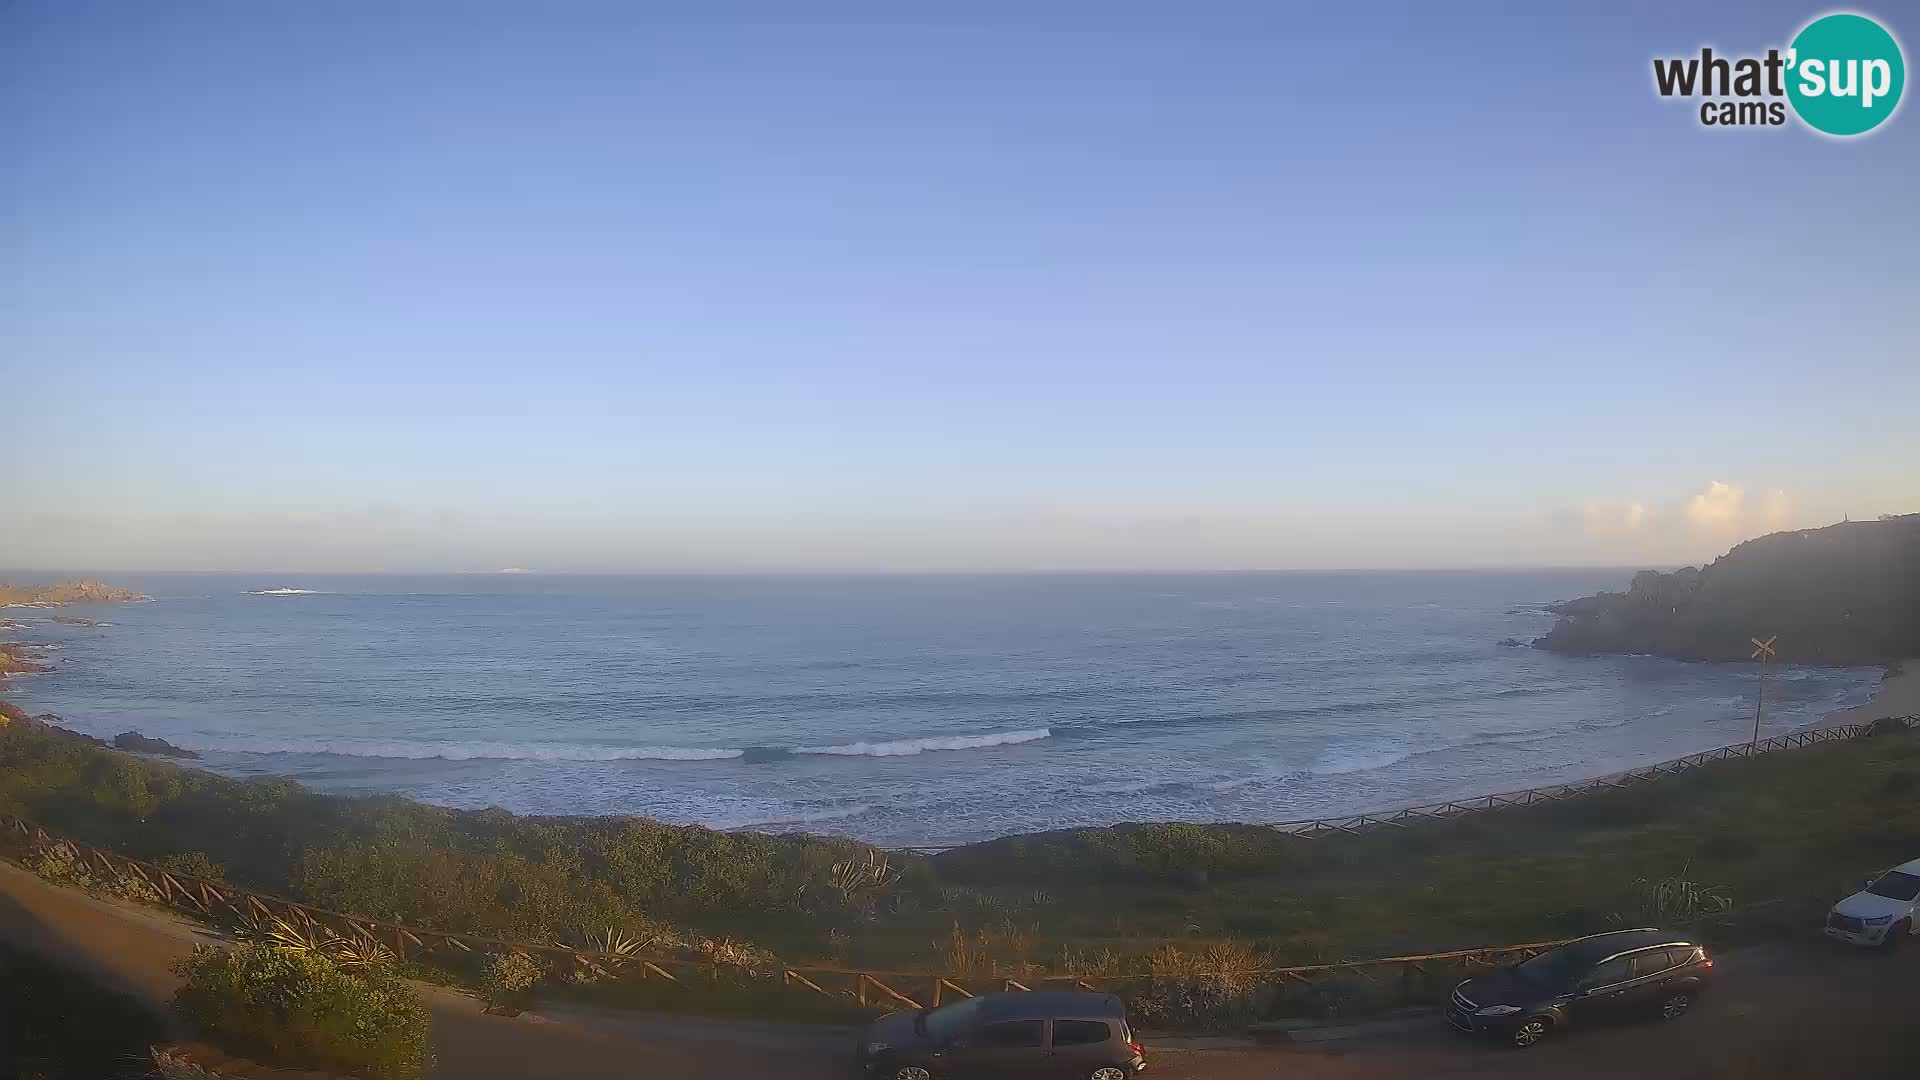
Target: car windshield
(1556, 967)
(1895, 885)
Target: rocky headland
(1844, 595)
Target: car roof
(1046, 1004)
(1910, 867)
(1597, 947)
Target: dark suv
(1014, 1035)
(1605, 975)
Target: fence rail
(215, 900)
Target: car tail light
(1138, 1050)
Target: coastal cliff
(1847, 594)
(64, 592)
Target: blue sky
(581, 286)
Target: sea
(902, 710)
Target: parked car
(1883, 913)
(1605, 975)
(1013, 1035)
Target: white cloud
(1724, 510)
(1612, 519)
(1717, 509)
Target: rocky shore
(1844, 595)
(64, 592)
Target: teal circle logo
(1844, 74)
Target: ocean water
(901, 710)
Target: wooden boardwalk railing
(218, 901)
(870, 989)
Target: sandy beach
(1897, 695)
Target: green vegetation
(55, 1025)
(297, 1008)
(1738, 849)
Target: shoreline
(1897, 695)
(1896, 692)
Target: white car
(1887, 910)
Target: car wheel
(911, 1072)
(1676, 1005)
(1530, 1032)
(1109, 1072)
(1895, 933)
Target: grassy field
(1753, 847)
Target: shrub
(131, 887)
(57, 864)
(194, 864)
(299, 1010)
(509, 979)
(1209, 989)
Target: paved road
(1785, 1011)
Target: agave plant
(358, 953)
(304, 936)
(856, 879)
(618, 946)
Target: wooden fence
(218, 902)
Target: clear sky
(791, 286)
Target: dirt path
(1804, 1010)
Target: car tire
(1530, 1032)
(1895, 933)
(1677, 1004)
(911, 1072)
(1109, 1072)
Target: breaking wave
(457, 751)
(906, 747)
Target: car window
(1617, 970)
(1011, 1033)
(1652, 962)
(945, 1024)
(1895, 885)
(1680, 955)
(1078, 1032)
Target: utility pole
(1763, 652)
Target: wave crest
(906, 747)
(458, 751)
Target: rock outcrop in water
(1847, 594)
(141, 744)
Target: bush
(300, 1010)
(509, 979)
(58, 865)
(194, 864)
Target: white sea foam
(905, 747)
(1361, 757)
(456, 751)
(288, 592)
